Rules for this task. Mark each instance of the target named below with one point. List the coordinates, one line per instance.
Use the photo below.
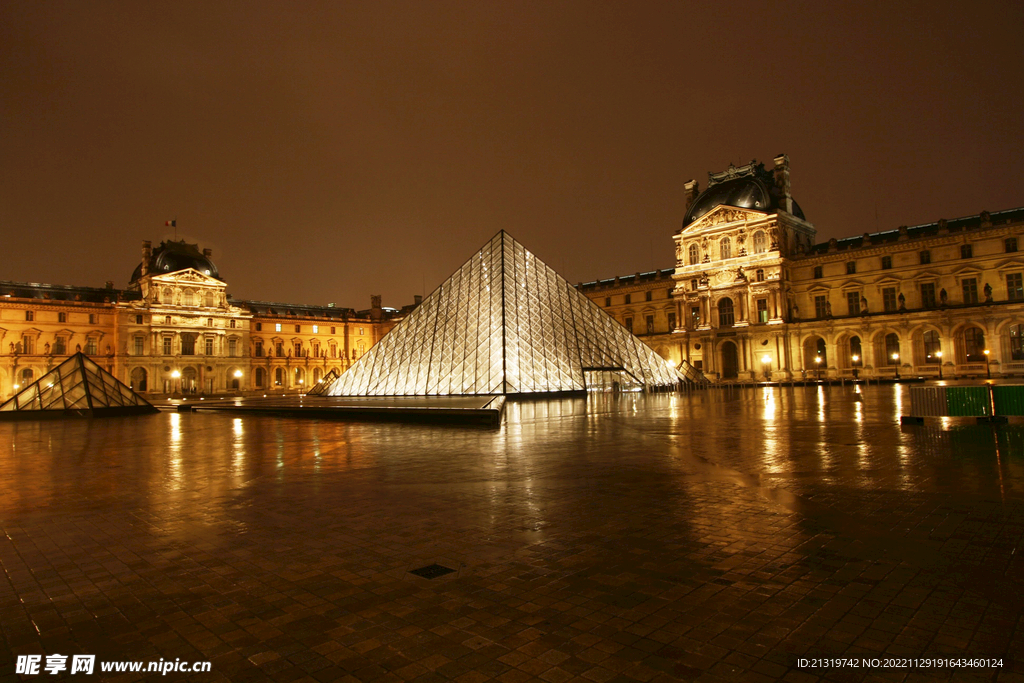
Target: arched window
(1016, 342)
(974, 345)
(759, 275)
(760, 242)
(725, 313)
(209, 299)
(279, 376)
(725, 248)
(892, 349)
(26, 377)
(694, 255)
(168, 296)
(299, 376)
(259, 378)
(932, 347)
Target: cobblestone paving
(718, 536)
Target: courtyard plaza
(709, 536)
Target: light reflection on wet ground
(617, 536)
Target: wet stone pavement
(715, 536)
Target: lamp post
(855, 359)
(765, 360)
(174, 375)
(988, 368)
(817, 368)
(896, 361)
(938, 354)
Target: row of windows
(857, 304)
(973, 349)
(62, 317)
(298, 328)
(759, 241)
(925, 257)
(189, 298)
(628, 298)
(300, 352)
(27, 346)
(649, 323)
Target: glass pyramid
(504, 323)
(76, 386)
(320, 388)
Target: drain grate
(432, 571)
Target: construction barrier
(1008, 400)
(968, 401)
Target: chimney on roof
(691, 189)
(110, 284)
(147, 253)
(417, 300)
(207, 253)
(782, 183)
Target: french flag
(172, 224)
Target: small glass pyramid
(504, 323)
(78, 386)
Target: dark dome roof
(170, 257)
(747, 192)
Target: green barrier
(968, 401)
(1009, 400)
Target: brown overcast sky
(329, 151)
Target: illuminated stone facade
(754, 296)
(176, 330)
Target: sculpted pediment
(723, 215)
(190, 275)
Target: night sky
(330, 151)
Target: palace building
(754, 296)
(175, 330)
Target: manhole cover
(432, 571)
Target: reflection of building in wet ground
(752, 295)
(615, 537)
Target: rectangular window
(607, 301)
(232, 347)
(188, 345)
(628, 298)
(27, 347)
(259, 327)
(671, 321)
(30, 315)
(886, 262)
(928, 295)
(759, 275)
(298, 328)
(1014, 287)
(92, 318)
(167, 320)
(853, 302)
(629, 324)
(818, 273)
(647, 296)
(167, 346)
(277, 327)
(316, 329)
(279, 349)
(259, 349)
(851, 267)
(889, 299)
(209, 322)
(1010, 243)
(62, 317)
(332, 330)
(138, 320)
(820, 307)
(693, 285)
(90, 347)
(970, 287)
(209, 346)
(966, 251)
(298, 349)
(59, 346)
(139, 346)
(361, 331)
(650, 323)
(232, 324)
(926, 257)
(762, 310)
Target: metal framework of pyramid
(78, 386)
(320, 388)
(503, 323)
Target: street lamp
(896, 362)
(938, 354)
(765, 360)
(817, 368)
(175, 375)
(988, 368)
(855, 358)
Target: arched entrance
(140, 379)
(188, 380)
(730, 361)
(814, 354)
